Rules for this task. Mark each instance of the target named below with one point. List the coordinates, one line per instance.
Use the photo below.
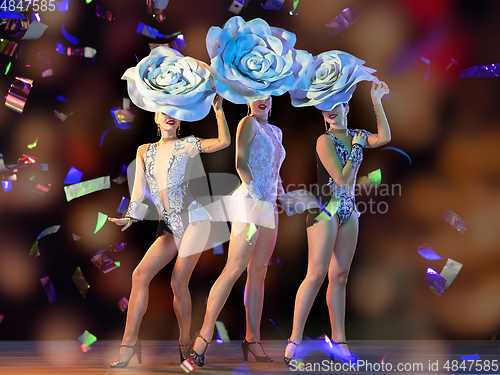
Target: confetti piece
(33, 145)
(101, 220)
(146, 30)
(8, 67)
(348, 17)
(123, 304)
(375, 177)
(428, 63)
(450, 64)
(218, 248)
(218, 340)
(40, 189)
(104, 134)
(179, 44)
(87, 52)
(274, 324)
(70, 38)
(122, 117)
(428, 253)
(273, 4)
(7, 186)
(450, 271)
(119, 246)
(455, 221)
(62, 6)
(329, 210)
(80, 282)
(221, 329)
(11, 14)
(236, 6)
(397, 150)
(48, 288)
(76, 237)
(241, 370)
(122, 177)
(18, 94)
(382, 360)
(481, 71)
(35, 30)
(74, 176)
(50, 230)
(10, 48)
(251, 230)
(86, 187)
(103, 262)
(123, 207)
(470, 358)
(100, 12)
(435, 281)
(62, 99)
(26, 159)
(187, 365)
(295, 8)
(87, 339)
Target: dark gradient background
(448, 126)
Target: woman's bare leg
(239, 253)
(161, 252)
(343, 252)
(320, 237)
(194, 239)
(254, 287)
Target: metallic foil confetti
(33, 145)
(455, 221)
(70, 38)
(146, 30)
(222, 331)
(295, 8)
(8, 67)
(218, 248)
(10, 14)
(80, 282)
(434, 281)
(62, 99)
(120, 118)
(18, 94)
(101, 220)
(450, 271)
(428, 253)
(50, 230)
(123, 304)
(450, 64)
(123, 207)
(119, 246)
(87, 339)
(470, 358)
(428, 62)
(35, 30)
(236, 6)
(74, 176)
(397, 150)
(48, 288)
(481, 71)
(375, 177)
(86, 187)
(41, 189)
(103, 262)
(10, 48)
(100, 12)
(87, 52)
(328, 211)
(6, 186)
(250, 231)
(273, 4)
(26, 159)
(218, 340)
(348, 17)
(122, 177)
(187, 365)
(76, 237)
(104, 134)
(62, 6)
(179, 44)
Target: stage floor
(162, 357)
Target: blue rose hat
(166, 81)
(330, 79)
(251, 60)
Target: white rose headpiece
(252, 60)
(330, 79)
(166, 81)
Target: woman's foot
(290, 350)
(184, 352)
(198, 349)
(254, 347)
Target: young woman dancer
(332, 242)
(259, 155)
(164, 166)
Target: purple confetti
(74, 176)
(273, 4)
(49, 289)
(435, 281)
(428, 253)
(346, 18)
(481, 71)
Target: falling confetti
(80, 282)
(123, 304)
(346, 18)
(455, 221)
(86, 187)
(428, 253)
(273, 4)
(48, 288)
(18, 94)
(34, 252)
(101, 220)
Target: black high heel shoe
(286, 359)
(137, 350)
(199, 359)
(350, 358)
(245, 347)
(182, 358)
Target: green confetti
(332, 208)
(118, 264)
(101, 220)
(8, 68)
(33, 145)
(80, 282)
(87, 339)
(251, 230)
(88, 2)
(375, 177)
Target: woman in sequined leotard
(332, 241)
(165, 166)
(259, 155)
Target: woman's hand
(378, 91)
(217, 103)
(127, 221)
(359, 138)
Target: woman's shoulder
(143, 148)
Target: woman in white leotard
(259, 155)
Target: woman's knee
(178, 286)
(316, 277)
(257, 272)
(338, 277)
(139, 277)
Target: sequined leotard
(328, 188)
